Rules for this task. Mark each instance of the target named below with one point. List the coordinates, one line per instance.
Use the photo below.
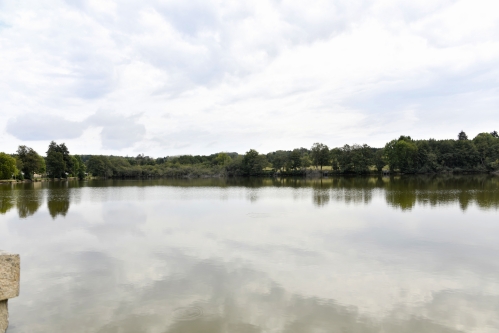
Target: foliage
(59, 162)
(253, 163)
(30, 160)
(481, 154)
(462, 136)
(7, 166)
(295, 160)
(353, 159)
(401, 154)
(223, 159)
(42, 165)
(80, 168)
(320, 154)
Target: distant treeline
(404, 155)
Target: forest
(402, 155)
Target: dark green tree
(253, 163)
(7, 166)
(295, 161)
(462, 136)
(487, 147)
(81, 168)
(43, 165)
(320, 154)
(305, 161)
(100, 166)
(222, 159)
(279, 159)
(59, 162)
(379, 159)
(401, 154)
(30, 161)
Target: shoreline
(312, 174)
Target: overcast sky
(199, 77)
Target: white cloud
(267, 75)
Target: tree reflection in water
(29, 200)
(6, 203)
(58, 200)
(401, 192)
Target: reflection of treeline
(28, 198)
(405, 155)
(403, 192)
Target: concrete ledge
(4, 316)
(10, 268)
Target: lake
(359, 254)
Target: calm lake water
(391, 255)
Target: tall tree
(379, 159)
(7, 166)
(56, 160)
(30, 161)
(278, 159)
(253, 163)
(462, 136)
(402, 154)
(305, 161)
(486, 146)
(320, 154)
(43, 165)
(295, 159)
(81, 169)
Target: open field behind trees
(404, 155)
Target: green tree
(295, 160)
(487, 147)
(362, 157)
(55, 164)
(59, 161)
(279, 159)
(320, 154)
(81, 169)
(306, 161)
(100, 166)
(354, 159)
(401, 154)
(222, 159)
(30, 161)
(42, 165)
(379, 159)
(253, 163)
(336, 156)
(7, 166)
(462, 136)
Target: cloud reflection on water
(338, 255)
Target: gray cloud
(191, 17)
(36, 126)
(118, 132)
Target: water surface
(406, 254)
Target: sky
(165, 78)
